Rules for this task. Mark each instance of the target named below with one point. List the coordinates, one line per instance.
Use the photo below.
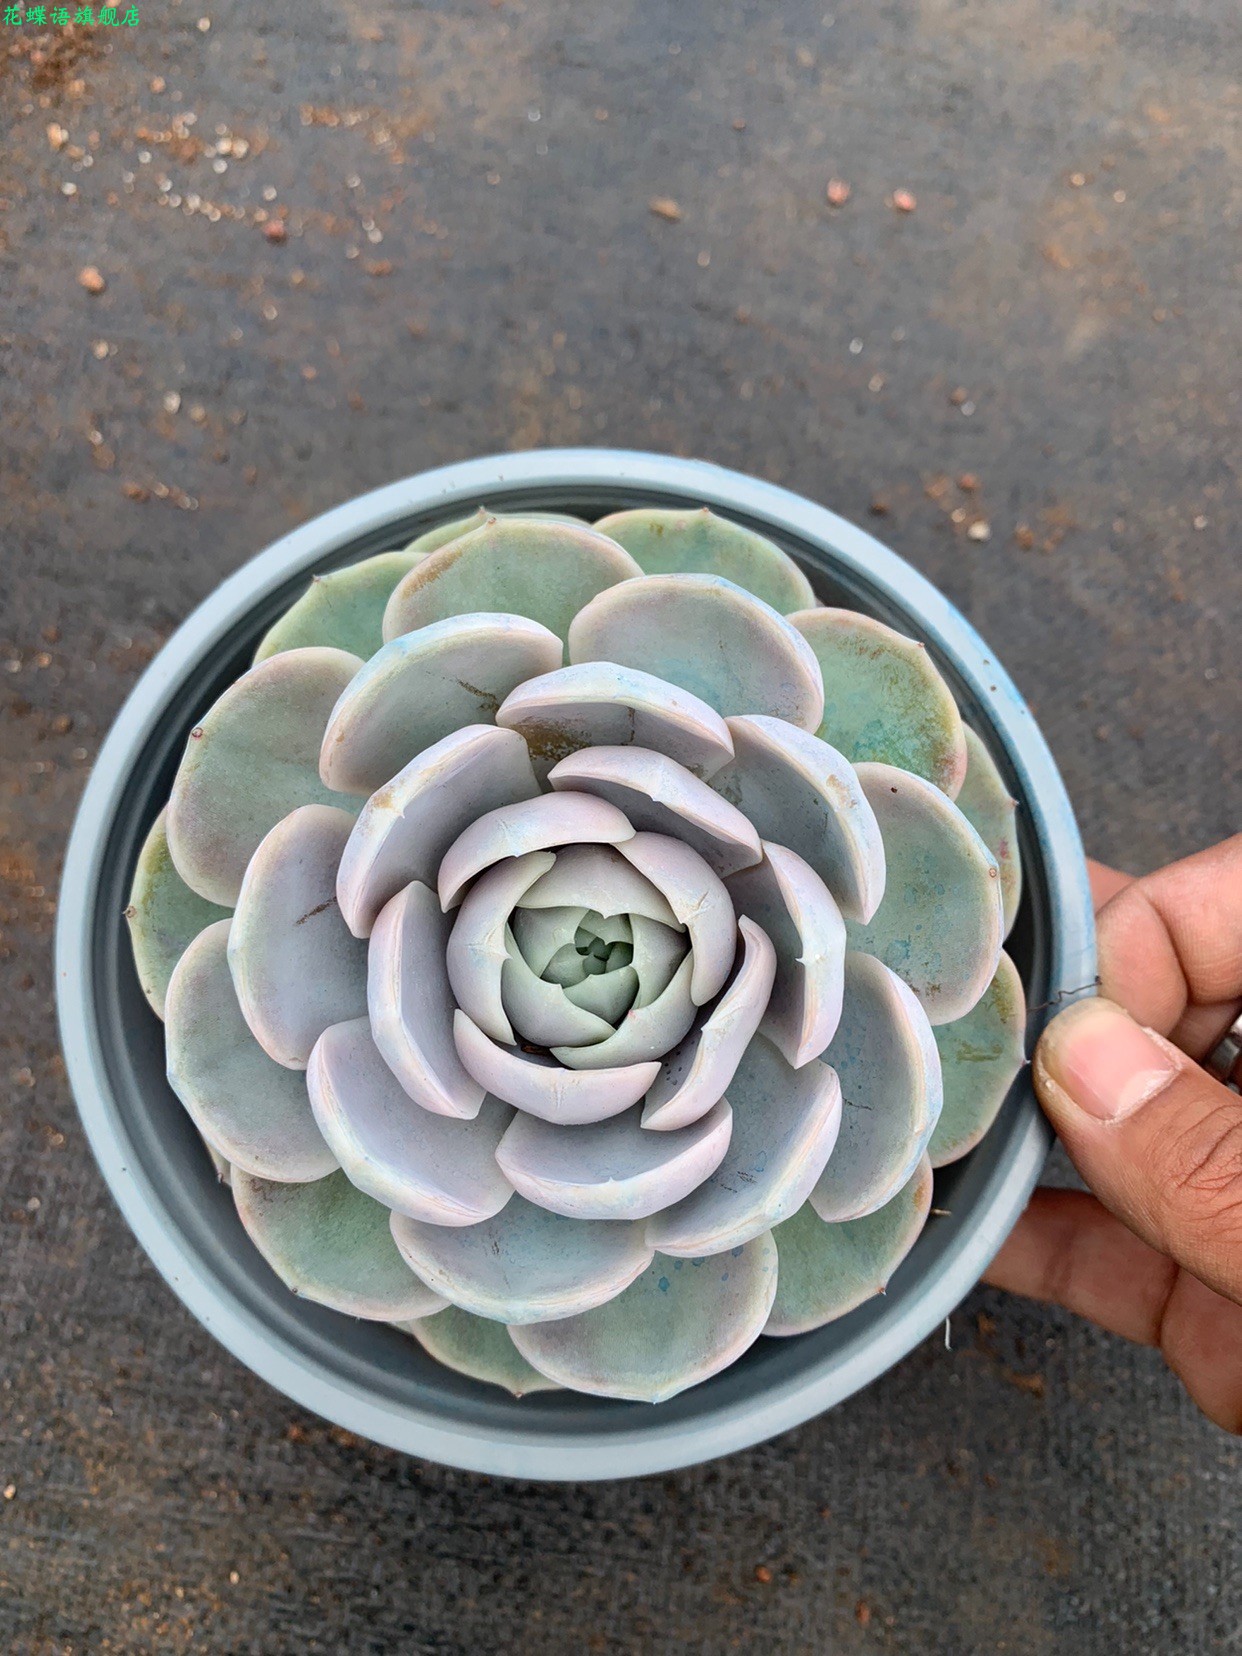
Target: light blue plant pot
(365, 1376)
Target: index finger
(1171, 946)
(1106, 882)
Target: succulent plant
(571, 951)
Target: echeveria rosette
(571, 950)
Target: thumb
(1157, 1139)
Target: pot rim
(305, 1375)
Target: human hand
(1156, 1253)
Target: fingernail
(1107, 1064)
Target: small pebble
(980, 530)
(91, 279)
(838, 192)
(905, 201)
(666, 208)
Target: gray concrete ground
(1028, 384)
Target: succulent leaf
(405, 828)
(682, 1321)
(801, 793)
(478, 950)
(829, 1269)
(431, 540)
(545, 1088)
(986, 803)
(655, 954)
(532, 567)
(528, 825)
(224, 1171)
(610, 995)
(613, 1169)
(342, 610)
(599, 878)
(599, 704)
(885, 1056)
(708, 636)
(252, 1111)
(544, 1012)
(479, 1348)
(645, 1031)
(525, 1264)
(295, 966)
(427, 1166)
(660, 796)
(700, 902)
(331, 1243)
(700, 543)
(411, 1004)
(164, 915)
(941, 922)
(884, 699)
(785, 896)
(785, 1124)
(696, 1074)
(540, 933)
(423, 687)
(980, 1056)
(252, 760)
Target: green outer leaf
(827, 1270)
(884, 699)
(987, 805)
(479, 1348)
(252, 760)
(440, 536)
(940, 924)
(515, 566)
(433, 539)
(677, 1324)
(164, 915)
(709, 636)
(343, 609)
(251, 1110)
(330, 1243)
(700, 543)
(980, 1055)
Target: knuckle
(1203, 1170)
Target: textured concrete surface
(459, 255)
